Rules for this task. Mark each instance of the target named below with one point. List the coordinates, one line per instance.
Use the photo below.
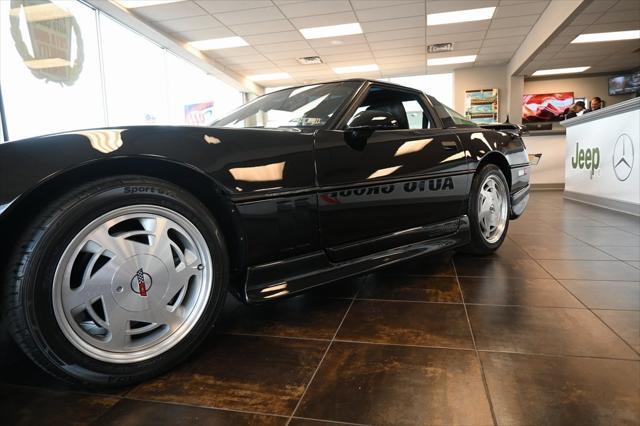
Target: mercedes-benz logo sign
(623, 157)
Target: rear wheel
(488, 210)
(117, 281)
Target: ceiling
(394, 36)
(600, 16)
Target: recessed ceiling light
(571, 70)
(131, 4)
(457, 16)
(356, 68)
(451, 60)
(611, 36)
(219, 43)
(268, 77)
(331, 31)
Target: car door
(403, 185)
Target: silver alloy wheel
(132, 284)
(492, 208)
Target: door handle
(449, 145)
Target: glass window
(49, 67)
(305, 106)
(437, 85)
(449, 117)
(405, 107)
(135, 78)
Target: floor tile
(625, 323)
(29, 406)
(551, 331)
(411, 287)
(523, 291)
(129, 413)
(310, 422)
(584, 252)
(607, 236)
(557, 239)
(257, 374)
(407, 323)
(536, 390)
(591, 270)
(499, 268)
(304, 316)
(438, 266)
(346, 288)
(391, 385)
(606, 294)
(622, 253)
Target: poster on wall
(198, 114)
(481, 106)
(545, 107)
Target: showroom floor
(545, 332)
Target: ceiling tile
(235, 51)
(535, 8)
(347, 56)
(504, 41)
(599, 6)
(411, 50)
(313, 8)
(292, 54)
(250, 15)
(189, 24)
(516, 21)
(473, 35)
(622, 16)
(586, 18)
(394, 24)
(205, 34)
(163, 12)
(464, 27)
(402, 59)
(380, 45)
(262, 27)
(221, 6)
(337, 50)
(390, 12)
(284, 46)
(324, 20)
(463, 45)
(507, 32)
(283, 36)
(338, 41)
(498, 49)
(440, 6)
(374, 4)
(396, 35)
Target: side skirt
(291, 276)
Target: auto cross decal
(388, 190)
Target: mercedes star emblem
(623, 157)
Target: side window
(406, 107)
(449, 117)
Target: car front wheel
(488, 210)
(117, 281)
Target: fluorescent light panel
(219, 43)
(458, 16)
(268, 77)
(571, 70)
(131, 4)
(452, 60)
(611, 36)
(332, 31)
(356, 68)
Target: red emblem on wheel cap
(142, 286)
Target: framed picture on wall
(481, 106)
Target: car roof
(361, 80)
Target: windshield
(306, 106)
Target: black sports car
(122, 242)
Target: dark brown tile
(597, 270)
(522, 291)
(391, 385)
(499, 268)
(606, 294)
(556, 239)
(142, 413)
(346, 288)
(625, 323)
(411, 287)
(600, 236)
(29, 406)
(551, 331)
(312, 422)
(306, 316)
(537, 390)
(258, 374)
(583, 252)
(407, 323)
(436, 265)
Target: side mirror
(364, 123)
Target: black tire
(28, 299)
(479, 244)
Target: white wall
(481, 78)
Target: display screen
(545, 107)
(622, 84)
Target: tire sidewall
(478, 243)
(70, 219)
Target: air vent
(310, 60)
(440, 47)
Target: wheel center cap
(140, 282)
(492, 209)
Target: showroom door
(400, 186)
